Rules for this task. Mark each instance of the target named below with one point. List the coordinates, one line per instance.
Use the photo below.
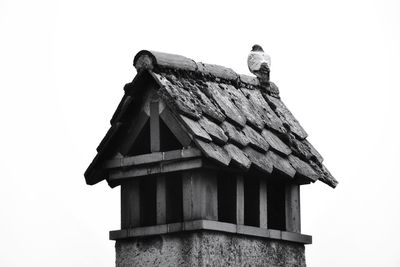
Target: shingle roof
(231, 118)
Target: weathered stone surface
(206, 248)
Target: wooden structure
(196, 146)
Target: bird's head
(257, 47)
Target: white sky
(63, 65)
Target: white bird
(259, 63)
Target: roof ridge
(151, 60)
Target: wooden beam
(239, 199)
(154, 127)
(175, 127)
(152, 158)
(267, 234)
(263, 204)
(161, 200)
(292, 208)
(130, 204)
(133, 132)
(160, 167)
(200, 199)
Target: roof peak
(147, 59)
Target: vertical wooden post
(200, 200)
(130, 204)
(292, 208)
(263, 203)
(239, 199)
(161, 203)
(154, 127)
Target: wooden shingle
(281, 164)
(216, 133)
(233, 114)
(286, 116)
(213, 151)
(275, 142)
(237, 156)
(195, 128)
(235, 135)
(256, 140)
(259, 160)
(261, 107)
(303, 168)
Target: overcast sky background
(63, 65)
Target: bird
(259, 63)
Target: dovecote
(195, 146)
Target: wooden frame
(175, 127)
(263, 207)
(196, 225)
(292, 208)
(154, 126)
(152, 158)
(133, 132)
(200, 200)
(239, 199)
(130, 204)
(118, 175)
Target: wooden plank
(161, 202)
(213, 152)
(256, 140)
(195, 128)
(133, 132)
(216, 71)
(263, 204)
(239, 199)
(154, 127)
(175, 127)
(108, 138)
(216, 133)
(276, 143)
(161, 167)
(213, 226)
(148, 59)
(130, 204)
(122, 108)
(200, 200)
(292, 208)
(185, 153)
(237, 156)
(236, 136)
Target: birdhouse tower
(210, 165)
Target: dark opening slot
(226, 198)
(168, 140)
(142, 142)
(276, 205)
(148, 201)
(251, 201)
(174, 198)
